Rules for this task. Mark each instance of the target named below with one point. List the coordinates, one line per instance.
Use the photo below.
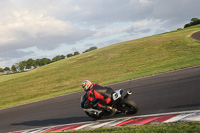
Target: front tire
(128, 107)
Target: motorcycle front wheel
(93, 115)
(128, 107)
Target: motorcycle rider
(96, 91)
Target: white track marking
(195, 117)
(84, 126)
(115, 123)
(100, 125)
(178, 118)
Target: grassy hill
(118, 62)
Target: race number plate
(116, 94)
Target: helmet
(86, 85)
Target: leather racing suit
(101, 93)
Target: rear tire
(128, 107)
(93, 115)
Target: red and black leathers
(100, 92)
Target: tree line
(32, 64)
(194, 21)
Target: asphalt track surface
(168, 92)
(196, 36)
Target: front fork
(128, 94)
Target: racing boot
(108, 108)
(111, 109)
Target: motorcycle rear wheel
(128, 107)
(93, 115)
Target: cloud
(13, 54)
(136, 27)
(27, 30)
(12, 57)
(140, 24)
(105, 13)
(46, 24)
(144, 1)
(54, 25)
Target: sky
(46, 28)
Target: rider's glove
(87, 104)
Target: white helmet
(86, 85)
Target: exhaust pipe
(128, 94)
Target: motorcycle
(119, 105)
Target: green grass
(179, 127)
(118, 62)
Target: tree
(194, 21)
(38, 62)
(93, 48)
(1, 70)
(187, 25)
(29, 63)
(34, 64)
(58, 57)
(22, 65)
(44, 61)
(62, 57)
(90, 49)
(70, 55)
(7, 69)
(76, 53)
(54, 59)
(13, 68)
